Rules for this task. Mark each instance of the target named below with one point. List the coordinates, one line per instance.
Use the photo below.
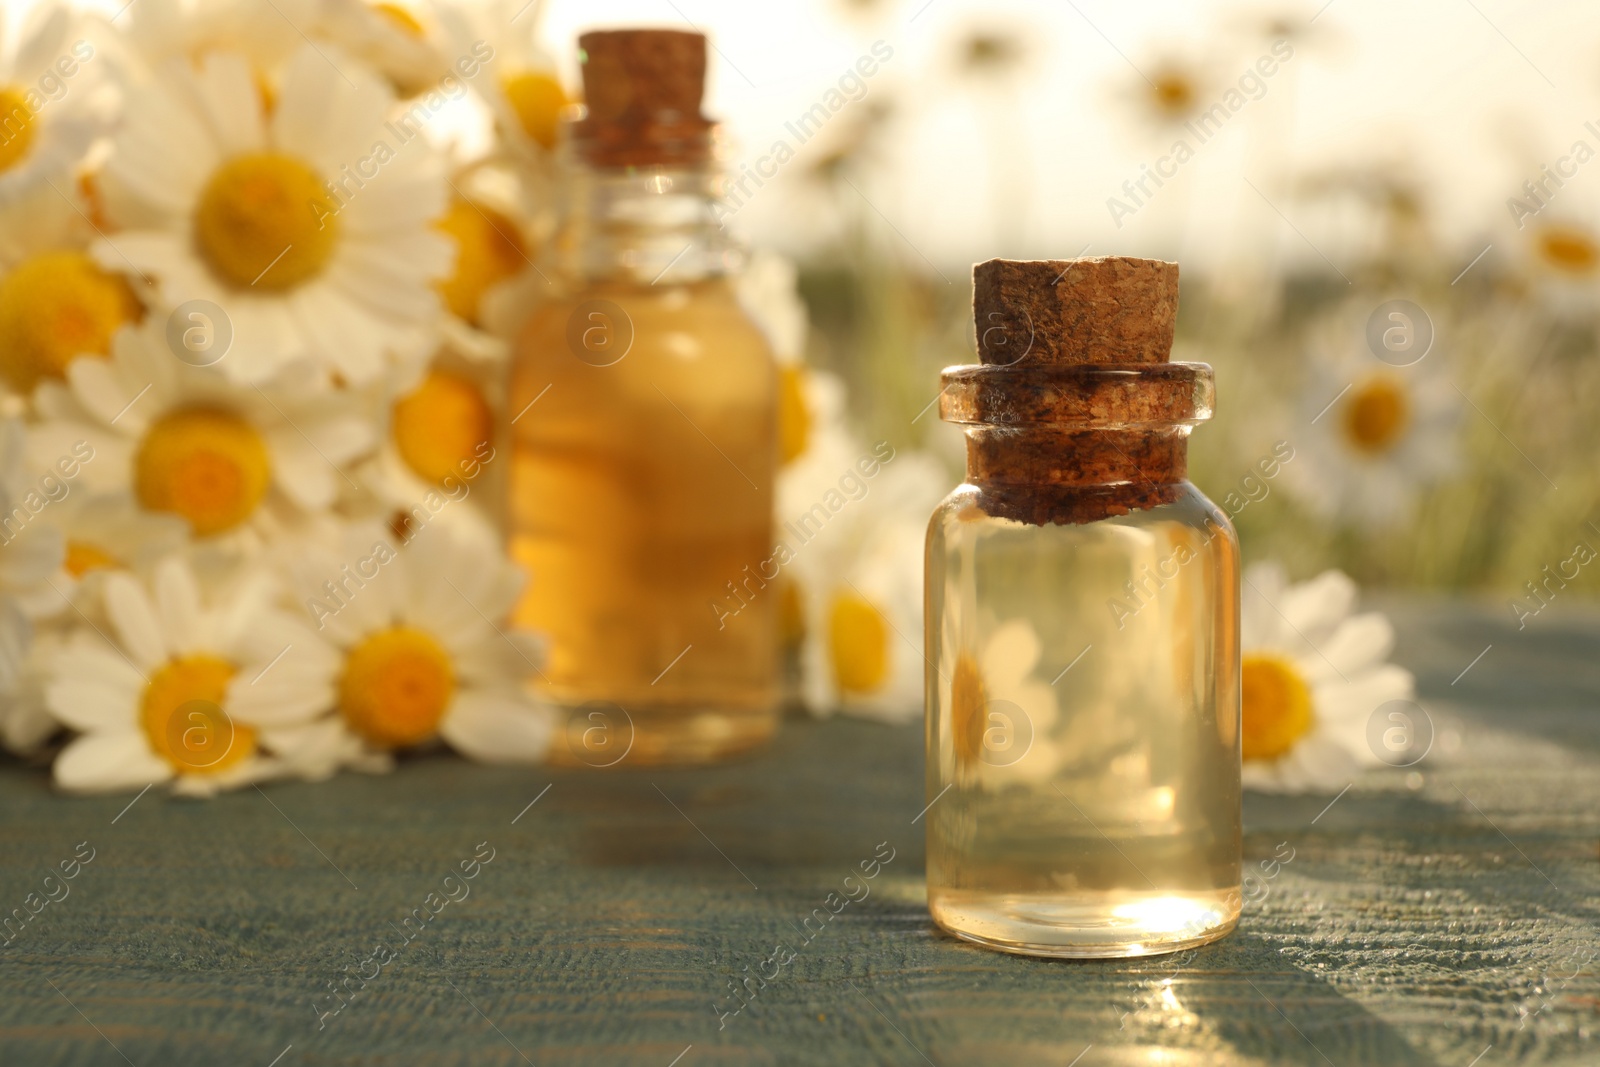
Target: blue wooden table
(1445, 914)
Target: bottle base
(1086, 925)
(604, 735)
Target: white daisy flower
(31, 551)
(185, 441)
(523, 89)
(309, 225)
(424, 651)
(403, 42)
(1002, 716)
(56, 302)
(264, 31)
(1558, 253)
(48, 118)
(493, 284)
(1376, 434)
(1313, 675)
(207, 695)
(438, 450)
(99, 534)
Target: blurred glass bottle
(1082, 629)
(644, 434)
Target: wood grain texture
(1418, 923)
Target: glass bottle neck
(642, 226)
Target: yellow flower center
(396, 686)
(794, 418)
(968, 702)
(265, 219)
(55, 307)
(440, 426)
(211, 467)
(538, 100)
(488, 250)
(183, 718)
(83, 557)
(1569, 249)
(402, 19)
(1377, 415)
(858, 643)
(17, 128)
(1277, 706)
(1173, 92)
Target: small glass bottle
(1082, 629)
(644, 436)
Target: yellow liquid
(638, 491)
(1083, 759)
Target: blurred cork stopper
(643, 90)
(1103, 309)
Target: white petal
(135, 620)
(497, 727)
(103, 763)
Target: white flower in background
(438, 449)
(1376, 434)
(99, 534)
(768, 290)
(184, 440)
(48, 120)
(493, 283)
(1559, 256)
(263, 31)
(209, 695)
(402, 41)
(424, 650)
(1313, 674)
(861, 652)
(1002, 716)
(309, 224)
(56, 302)
(523, 90)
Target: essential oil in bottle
(644, 444)
(1082, 618)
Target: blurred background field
(1384, 157)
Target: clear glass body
(1083, 728)
(641, 480)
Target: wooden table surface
(1443, 915)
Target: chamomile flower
(156, 32)
(524, 93)
(401, 41)
(438, 448)
(31, 551)
(56, 302)
(1376, 435)
(100, 534)
(207, 693)
(424, 651)
(1002, 714)
(46, 127)
(309, 223)
(861, 594)
(185, 441)
(1559, 255)
(1313, 675)
(493, 282)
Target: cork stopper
(1105, 309)
(642, 89)
(1074, 412)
